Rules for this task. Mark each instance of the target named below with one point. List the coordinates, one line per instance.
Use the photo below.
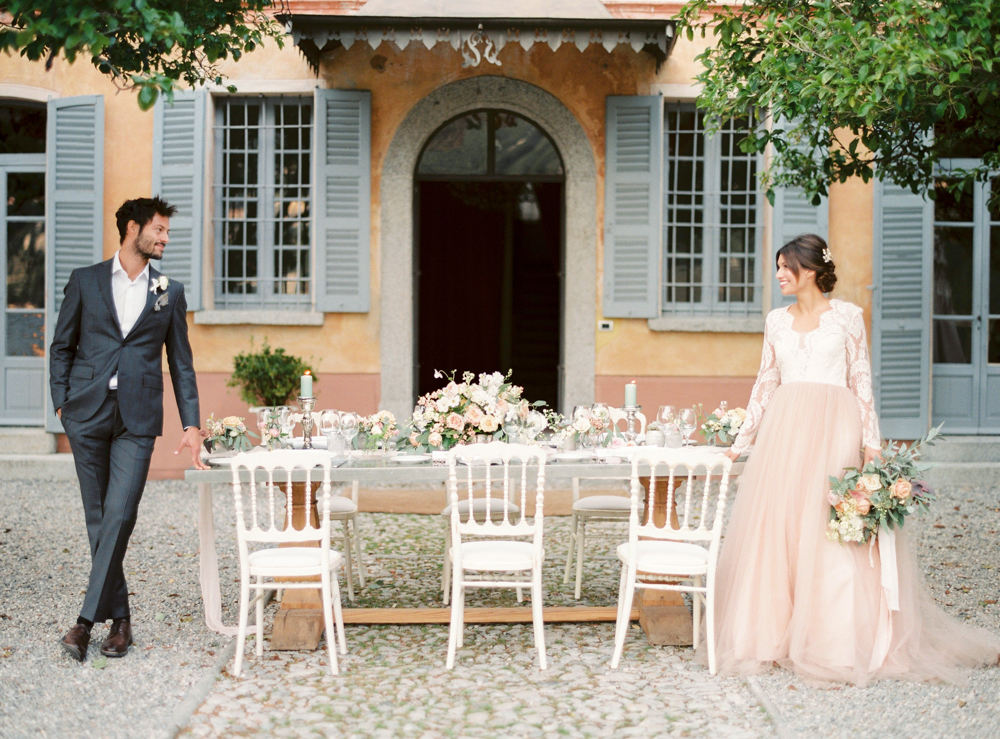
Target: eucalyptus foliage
(148, 45)
(843, 88)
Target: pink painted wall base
(683, 392)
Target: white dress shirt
(130, 299)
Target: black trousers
(112, 465)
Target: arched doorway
(489, 209)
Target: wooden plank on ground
(555, 614)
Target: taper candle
(306, 385)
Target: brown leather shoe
(119, 639)
(76, 641)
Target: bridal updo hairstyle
(806, 252)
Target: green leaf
(100, 663)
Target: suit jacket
(88, 348)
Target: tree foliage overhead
(888, 88)
(149, 45)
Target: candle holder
(630, 421)
(307, 405)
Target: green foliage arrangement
(884, 88)
(268, 377)
(148, 45)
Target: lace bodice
(834, 353)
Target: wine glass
(286, 418)
(534, 425)
(329, 426)
(689, 422)
(666, 416)
(579, 410)
(349, 426)
(263, 417)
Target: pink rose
(489, 424)
(454, 421)
(902, 489)
(474, 415)
(833, 498)
(863, 505)
(434, 438)
(414, 440)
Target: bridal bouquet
(460, 411)
(229, 433)
(723, 425)
(885, 491)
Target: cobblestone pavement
(393, 681)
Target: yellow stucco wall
(349, 343)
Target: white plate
(574, 456)
(411, 458)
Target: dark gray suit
(112, 432)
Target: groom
(107, 387)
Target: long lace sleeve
(859, 377)
(768, 380)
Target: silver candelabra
(307, 405)
(630, 421)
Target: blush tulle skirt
(786, 594)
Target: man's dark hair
(141, 210)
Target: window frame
(711, 313)
(264, 300)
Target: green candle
(630, 395)
(306, 385)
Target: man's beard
(146, 246)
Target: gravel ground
(393, 681)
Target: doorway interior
(489, 220)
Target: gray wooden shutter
(74, 203)
(793, 216)
(179, 178)
(343, 201)
(901, 310)
(633, 206)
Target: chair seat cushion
(606, 503)
(288, 558)
(479, 506)
(497, 556)
(667, 557)
(342, 504)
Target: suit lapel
(151, 299)
(104, 284)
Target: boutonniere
(161, 284)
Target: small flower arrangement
(461, 411)
(722, 425)
(589, 422)
(884, 492)
(378, 428)
(273, 436)
(230, 434)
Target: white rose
(581, 424)
(489, 424)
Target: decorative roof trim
(478, 39)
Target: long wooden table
(300, 622)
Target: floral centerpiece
(461, 411)
(722, 425)
(230, 434)
(589, 422)
(272, 434)
(378, 429)
(884, 492)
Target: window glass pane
(459, 148)
(737, 216)
(521, 148)
(684, 206)
(950, 206)
(26, 194)
(22, 128)
(993, 352)
(25, 264)
(25, 334)
(953, 270)
(953, 342)
(995, 209)
(994, 276)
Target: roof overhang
(478, 39)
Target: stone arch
(397, 332)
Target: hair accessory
(827, 256)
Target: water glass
(263, 416)
(689, 422)
(666, 416)
(534, 425)
(349, 426)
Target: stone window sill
(709, 324)
(258, 318)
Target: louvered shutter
(901, 310)
(343, 201)
(74, 202)
(633, 206)
(179, 178)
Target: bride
(785, 593)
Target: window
(711, 218)
(263, 203)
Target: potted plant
(268, 377)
